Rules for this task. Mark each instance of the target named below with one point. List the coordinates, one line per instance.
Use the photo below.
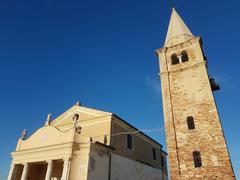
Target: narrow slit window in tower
(197, 159)
(190, 123)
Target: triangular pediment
(45, 136)
(85, 114)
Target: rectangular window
(190, 122)
(162, 161)
(154, 154)
(197, 159)
(129, 141)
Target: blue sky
(55, 52)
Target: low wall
(120, 169)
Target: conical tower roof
(178, 32)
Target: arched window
(175, 59)
(184, 56)
(190, 122)
(197, 159)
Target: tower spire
(178, 32)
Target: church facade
(87, 144)
(195, 140)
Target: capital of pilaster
(25, 164)
(12, 164)
(67, 159)
(50, 161)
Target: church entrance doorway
(57, 170)
(37, 171)
(18, 169)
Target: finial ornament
(75, 119)
(49, 119)
(78, 103)
(173, 5)
(91, 139)
(105, 139)
(24, 134)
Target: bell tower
(196, 144)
